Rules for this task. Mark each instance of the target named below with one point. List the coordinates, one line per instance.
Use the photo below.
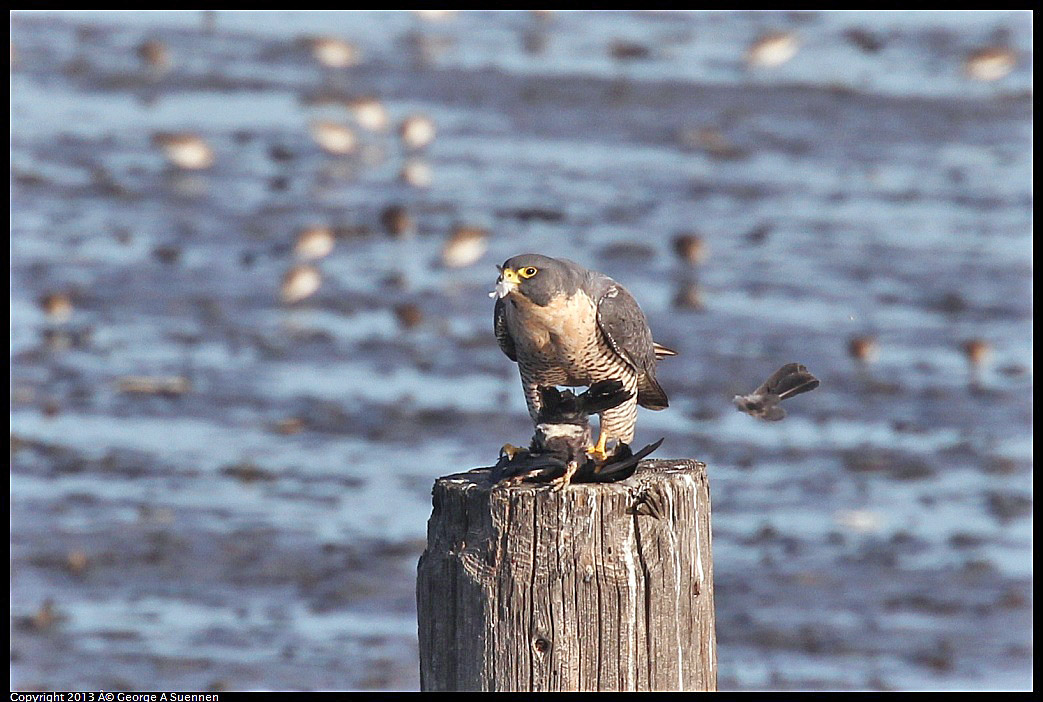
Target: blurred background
(250, 254)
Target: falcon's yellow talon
(597, 451)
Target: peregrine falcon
(565, 325)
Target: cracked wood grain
(523, 588)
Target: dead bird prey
(559, 450)
(763, 403)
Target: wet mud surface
(213, 488)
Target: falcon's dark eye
(528, 272)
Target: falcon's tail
(662, 351)
(650, 394)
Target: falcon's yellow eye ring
(528, 272)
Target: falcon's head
(537, 278)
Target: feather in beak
(507, 282)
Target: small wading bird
(185, 150)
(772, 50)
(763, 403)
(992, 63)
(313, 243)
(369, 113)
(300, 282)
(465, 246)
(417, 131)
(332, 52)
(334, 138)
(565, 325)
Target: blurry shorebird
(859, 520)
(416, 173)
(40, 620)
(759, 234)
(863, 349)
(977, 352)
(185, 150)
(154, 55)
(623, 50)
(300, 282)
(868, 42)
(772, 50)
(76, 562)
(417, 131)
(465, 246)
(334, 138)
(169, 254)
(991, 63)
(313, 243)
(396, 220)
(408, 315)
(369, 113)
(168, 386)
(45, 617)
(690, 248)
(332, 52)
(763, 403)
(57, 306)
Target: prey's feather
(763, 403)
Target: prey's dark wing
(763, 403)
(533, 466)
(620, 467)
(792, 379)
(503, 337)
(602, 395)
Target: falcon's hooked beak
(507, 282)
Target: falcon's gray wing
(625, 328)
(503, 337)
(624, 325)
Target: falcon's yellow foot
(597, 451)
(559, 483)
(510, 451)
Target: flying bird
(763, 403)
(566, 325)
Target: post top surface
(648, 471)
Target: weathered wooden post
(595, 587)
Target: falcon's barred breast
(566, 325)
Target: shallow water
(878, 538)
